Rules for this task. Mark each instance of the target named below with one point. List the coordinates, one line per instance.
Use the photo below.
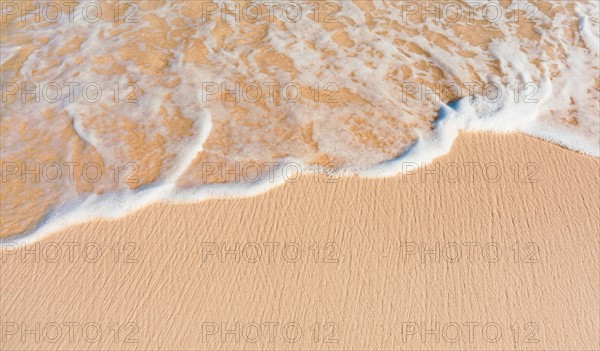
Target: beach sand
(505, 259)
(370, 78)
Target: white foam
(468, 114)
(590, 35)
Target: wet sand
(366, 79)
(493, 246)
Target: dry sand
(357, 67)
(517, 265)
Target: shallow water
(109, 106)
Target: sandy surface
(344, 264)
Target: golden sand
(516, 265)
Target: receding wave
(108, 106)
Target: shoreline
(403, 165)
